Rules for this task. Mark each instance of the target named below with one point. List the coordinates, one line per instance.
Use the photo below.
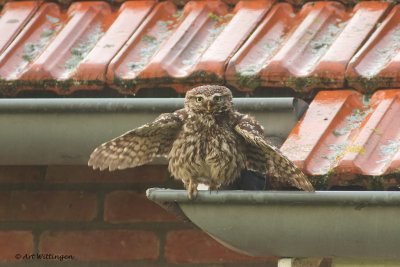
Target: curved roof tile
(346, 136)
(145, 44)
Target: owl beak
(208, 106)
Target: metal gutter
(50, 131)
(349, 224)
(280, 197)
(77, 105)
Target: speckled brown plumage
(206, 142)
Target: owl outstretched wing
(264, 158)
(140, 145)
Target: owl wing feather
(139, 146)
(264, 158)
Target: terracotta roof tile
(377, 63)
(201, 23)
(186, 49)
(29, 43)
(145, 44)
(305, 49)
(142, 45)
(51, 46)
(12, 18)
(344, 134)
(127, 20)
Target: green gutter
(80, 105)
(362, 225)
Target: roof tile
(13, 17)
(305, 49)
(146, 44)
(53, 44)
(199, 44)
(377, 63)
(127, 20)
(345, 133)
(79, 31)
(142, 45)
(33, 39)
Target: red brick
(19, 174)
(130, 206)
(85, 174)
(45, 205)
(15, 242)
(195, 246)
(101, 245)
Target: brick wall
(102, 217)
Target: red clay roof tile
(345, 133)
(33, 39)
(80, 29)
(128, 64)
(51, 46)
(306, 49)
(377, 63)
(189, 48)
(146, 44)
(127, 20)
(12, 18)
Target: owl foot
(192, 190)
(213, 187)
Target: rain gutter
(65, 131)
(361, 225)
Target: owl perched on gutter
(206, 142)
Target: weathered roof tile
(127, 20)
(188, 49)
(13, 17)
(377, 63)
(73, 38)
(128, 64)
(29, 43)
(306, 49)
(145, 44)
(345, 134)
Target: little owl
(206, 142)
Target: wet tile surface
(345, 135)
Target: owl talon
(194, 193)
(192, 190)
(213, 187)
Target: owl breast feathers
(205, 142)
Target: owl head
(208, 100)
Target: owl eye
(199, 99)
(217, 98)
